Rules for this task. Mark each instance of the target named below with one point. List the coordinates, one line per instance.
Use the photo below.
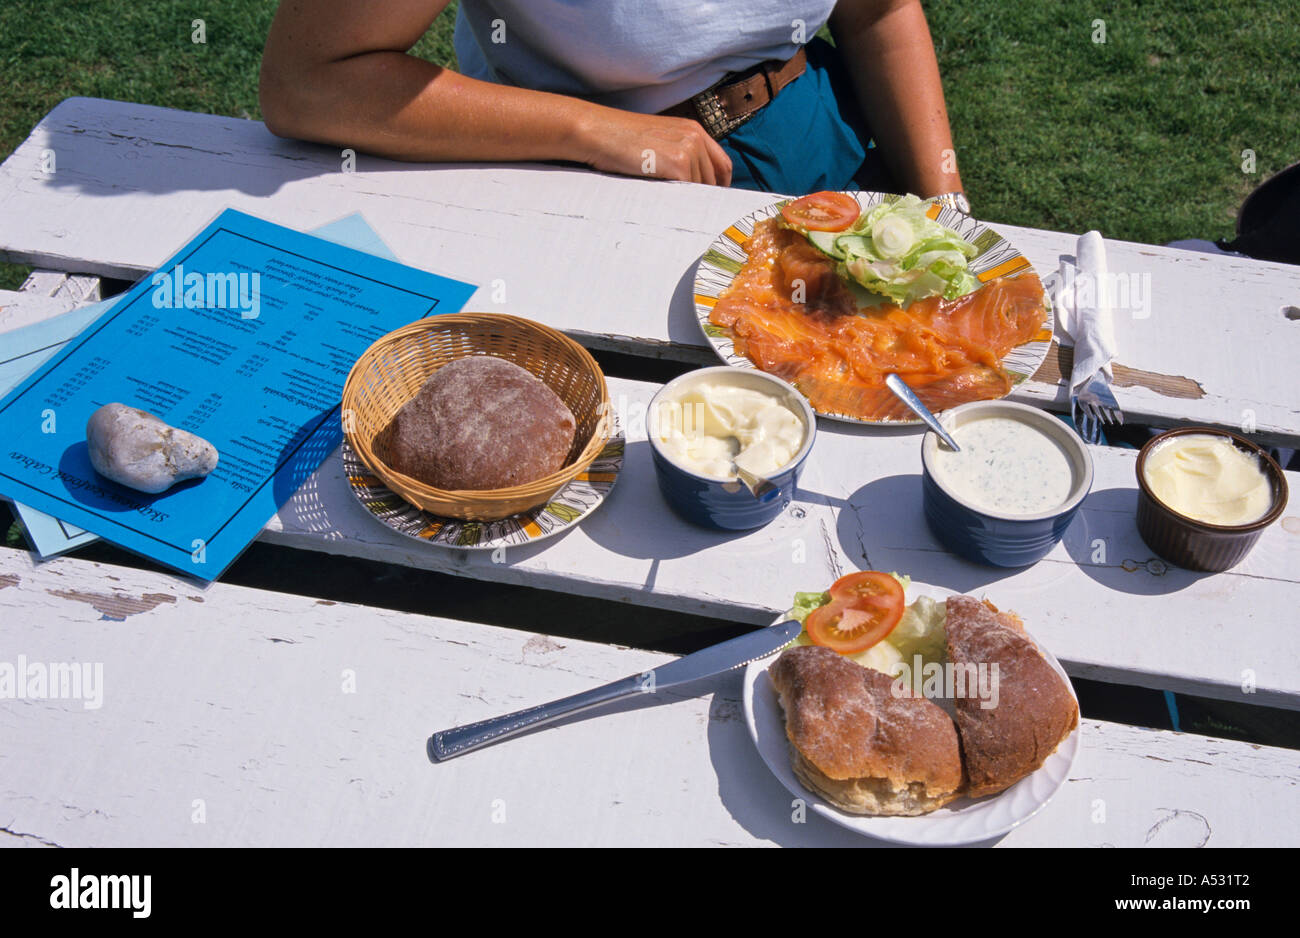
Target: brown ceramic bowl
(1199, 545)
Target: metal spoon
(758, 486)
(908, 397)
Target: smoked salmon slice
(837, 350)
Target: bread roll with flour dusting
(858, 744)
(1034, 713)
(481, 422)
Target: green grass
(1140, 137)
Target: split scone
(1035, 710)
(860, 746)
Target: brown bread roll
(856, 743)
(481, 423)
(1035, 710)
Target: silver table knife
(715, 659)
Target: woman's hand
(633, 144)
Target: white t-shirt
(638, 55)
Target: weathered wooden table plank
(234, 717)
(1202, 338)
(43, 295)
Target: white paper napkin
(1084, 312)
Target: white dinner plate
(964, 821)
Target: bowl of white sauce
(1205, 496)
(705, 423)
(1006, 498)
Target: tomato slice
(864, 608)
(823, 211)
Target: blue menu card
(245, 337)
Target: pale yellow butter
(711, 425)
(1205, 477)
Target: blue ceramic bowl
(719, 503)
(988, 537)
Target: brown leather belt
(739, 96)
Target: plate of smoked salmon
(766, 297)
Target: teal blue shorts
(810, 138)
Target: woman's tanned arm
(339, 72)
(887, 49)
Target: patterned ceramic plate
(996, 258)
(964, 821)
(570, 505)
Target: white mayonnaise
(711, 424)
(1203, 476)
(1006, 466)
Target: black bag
(1268, 225)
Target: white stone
(136, 449)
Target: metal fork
(1093, 406)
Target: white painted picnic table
(269, 737)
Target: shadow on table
(1104, 542)
(269, 165)
(884, 528)
(637, 521)
(683, 324)
(305, 451)
(242, 156)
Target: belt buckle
(708, 108)
(710, 113)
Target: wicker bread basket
(392, 371)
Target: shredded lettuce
(921, 630)
(804, 603)
(898, 251)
